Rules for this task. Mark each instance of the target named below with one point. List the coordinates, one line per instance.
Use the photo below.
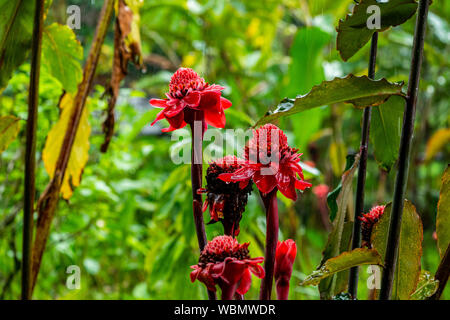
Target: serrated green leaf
(359, 91)
(61, 55)
(443, 214)
(353, 32)
(385, 131)
(9, 128)
(410, 249)
(344, 261)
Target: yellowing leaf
(436, 143)
(443, 214)
(78, 156)
(9, 128)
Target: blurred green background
(129, 225)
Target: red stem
(228, 291)
(196, 180)
(270, 202)
(282, 288)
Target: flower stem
(442, 274)
(228, 291)
(282, 288)
(404, 153)
(270, 202)
(196, 180)
(30, 150)
(359, 202)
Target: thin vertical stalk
(30, 150)
(196, 125)
(270, 202)
(442, 274)
(363, 149)
(404, 153)
(49, 199)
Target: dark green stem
(390, 261)
(359, 202)
(442, 274)
(30, 150)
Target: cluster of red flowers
(269, 162)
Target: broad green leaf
(443, 214)
(426, 287)
(334, 243)
(9, 128)
(410, 249)
(360, 91)
(353, 32)
(439, 140)
(385, 131)
(344, 261)
(337, 152)
(16, 29)
(61, 55)
(79, 155)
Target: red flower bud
(284, 261)
(368, 220)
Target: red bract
(368, 220)
(227, 263)
(188, 90)
(270, 163)
(284, 261)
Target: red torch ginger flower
(284, 261)
(226, 201)
(187, 90)
(227, 263)
(368, 220)
(270, 163)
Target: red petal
(159, 103)
(210, 100)
(245, 282)
(215, 118)
(265, 183)
(192, 99)
(159, 116)
(288, 190)
(302, 185)
(225, 103)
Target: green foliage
(385, 131)
(128, 225)
(353, 32)
(16, 28)
(410, 249)
(426, 286)
(359, 91)
(61, 54)
(344, 261)
(9, 128)
(334, 245)
(443, 214)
